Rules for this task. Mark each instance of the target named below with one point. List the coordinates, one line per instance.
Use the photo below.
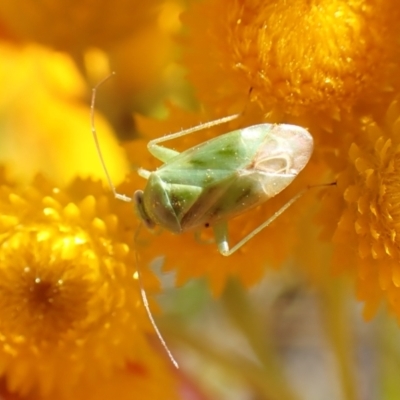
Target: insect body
(209, 184)
(221, 178)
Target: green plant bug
(215, 181)
(221, 178)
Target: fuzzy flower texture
(72, 320)
(70, 304)
(333, 67)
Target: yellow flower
(70, 306)
(317, 65)
(366, 232)
(304, 60)
(45, 127)
(135, 39)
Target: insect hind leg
(221, 228)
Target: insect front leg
(221, 229)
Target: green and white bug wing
(196, 179)
(224, 153)
(225, 176)
(285, 151)
(274, 155)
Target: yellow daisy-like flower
(70, 306)
(317, 65)
(366, 238)
(301, 58)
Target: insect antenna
(117, 195)
(145, 302)
(127, 199)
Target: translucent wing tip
(300, 142)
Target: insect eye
(138, 199)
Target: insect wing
(225, 176)
(220, 155)
(285, 151)
(282, 152)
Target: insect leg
(221, 230)
(144, 173)
(221, 237)
(164, 154)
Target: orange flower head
(299, 57)
(367, 234)
(69, 298)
